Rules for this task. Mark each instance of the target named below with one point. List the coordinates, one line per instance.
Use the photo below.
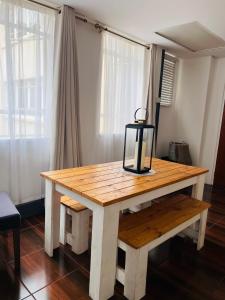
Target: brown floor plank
(31, 241)
(38, 270)
(10, 287)
(216, 234)
(72, 286)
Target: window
(26, 51)
(168, 80)
(122, 83)
(26, 72)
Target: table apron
(85, 201)
(159, 192)
(136, 200)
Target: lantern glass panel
(131, 134)
(138, 150)
(147, 147)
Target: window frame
(175, 59)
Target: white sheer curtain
(26, 69)
(122, 91)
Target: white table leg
(103, 252)
(198, 188)
(197, 193)
(52, 217)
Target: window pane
(26, 39)
(122, 83)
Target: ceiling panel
(192, 36)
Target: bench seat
(143, 227)
(72, 204)
(143, 231)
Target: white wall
(167, 129)
(196, 113)
(183, 120)
(192, 89)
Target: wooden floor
(176, 269)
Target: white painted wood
(134, 200)
(68, 211)
(86, 202)
(62, 235)
(156, 193)
(198, 188)
(120, 275)
(135, 273)
(104, 234)
(80, 231)
(75, 234)
(190, 232)
(103, 252)
(165, 236)
(173, 232)
(197, 193)
(134, 276)
(202, 228)
(52, 217)
(69, 238)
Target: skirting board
(32, 208)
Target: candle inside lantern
(143, 152)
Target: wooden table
(106, 189)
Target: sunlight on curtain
(26, 70)
(122, 92)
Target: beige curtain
(66, 142)
(154, 69)
(155, 56)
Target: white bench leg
(80, 231)
(63, 222)
(197, 193)
(202, 228)
(135, 273)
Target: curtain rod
(45, 5)
(96, 25)
(100, 28)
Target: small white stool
(74, 224)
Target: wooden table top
(108, 183)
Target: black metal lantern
(138, 145)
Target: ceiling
(141, 18)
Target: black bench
(10, 220)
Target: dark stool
(10, 220)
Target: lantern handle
(146, 115)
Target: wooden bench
(142, 231)
(74, 224)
